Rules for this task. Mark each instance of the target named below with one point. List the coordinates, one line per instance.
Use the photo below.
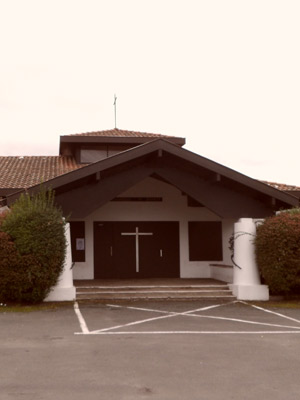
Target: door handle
(111, 251)
(160, 252)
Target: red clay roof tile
(24, 172)
(282, 186)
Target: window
(92, 155)
(98, 152)
(205, 241)
(138, 199)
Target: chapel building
(142, 206)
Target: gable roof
(205, 172)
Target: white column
(246, 281)
(64, 290)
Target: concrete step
(84, 289)
(153, 292)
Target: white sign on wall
(79, 244)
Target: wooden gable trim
(226, 203)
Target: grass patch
(26, 308)
(288, 304)
(284, 304)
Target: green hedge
(278, 252)
(32, 248)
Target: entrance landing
(154, 289)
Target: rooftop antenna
(115, 105)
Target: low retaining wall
(221, 272)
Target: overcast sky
(224, 74)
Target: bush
(278, 252)
(32, 248)
(9, 268)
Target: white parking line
(170, 314)
(273, 312)
(81, 320)
(190, 313)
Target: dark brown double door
(136, 250)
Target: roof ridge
(120, 132)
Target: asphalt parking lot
(159, 350)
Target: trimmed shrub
(17, 273)
(33, 248)
(278, 252)
(9, 267)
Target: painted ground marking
(81, 320)
(273, 312)
(190, 313)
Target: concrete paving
(159, 350)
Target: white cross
(137, 253)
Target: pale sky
(224, 74)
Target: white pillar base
(62, 294)
(250, 292)
(64, 290)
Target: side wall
(172, 208)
